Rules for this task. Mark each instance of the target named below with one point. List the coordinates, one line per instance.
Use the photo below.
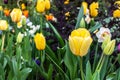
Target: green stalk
(95, 58)
(57, 66)
(3, 41)
(102, 56)
(81, 68)
(41, 20)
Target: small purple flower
(118, 47)
(37, 61)
(6, 1)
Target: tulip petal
(85, 46)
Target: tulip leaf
(57, 35)
(24, 73)
(70, 62)
(97, 25)
(79, 18)
(111, 76)
(96, 76)
(88, 72)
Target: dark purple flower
(118, 47)
(6, 1)
(37, 61)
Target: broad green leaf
(96, 76)
(88, 72)
(110, 76)
(24, 73)
(70, 62)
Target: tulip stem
(81, 68)
(41, 22)
(3, 41)
(100, 62)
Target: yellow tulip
(1, 8)
(16, 15)
(40, 41)
(85, 7)
(40, 6)
(116, 13)
(19, 37)
(94, 9)
(3, 25)
(47, 4)
(80, 41)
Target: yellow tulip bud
(40, 41)
(80, 41)
(106, 41)
(40, 6)
(47, 4)
(16, 15)
(1, 8)
(108, 50)
(85, 7)
(19, 37)
(3, 25)
(94, 9)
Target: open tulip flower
(80, 41)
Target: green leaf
(110, 76)
(57, 35)
(97, 25)
(24, 73)
(50, 70)
(79, 18)
(96, 76)
(70, 62)
(88, 72)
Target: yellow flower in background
(108, 46)
(117, 4)
(23, 6)
(66, 2)
(116, 13)
(40, 6)
(16, 15)
(94, 9)
(67, 14)
(80, 41)
(1, 8)
(47, 4)
(3, 25)
(40, 41)
(85, 7)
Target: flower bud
(40, 41)
(109, 48)
(105, 42)
(40, 6)
(16, 15)
(47, 4)
(82, 23)
(19, 37)
(3, 25)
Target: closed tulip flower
(19, 37)
(108, 46)
(85, 7)
(47, 4)
(80, 41)
(3, 25)
(16, 15)
(94, 9)
(40, 41)
(40, 6)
